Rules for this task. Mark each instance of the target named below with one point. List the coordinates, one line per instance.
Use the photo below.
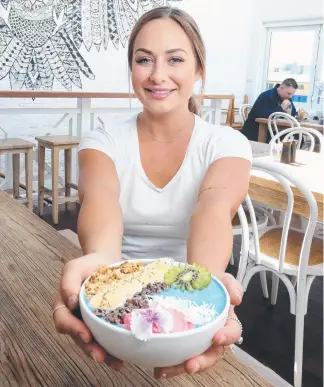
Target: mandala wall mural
(40, 40)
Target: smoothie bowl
(154, 313)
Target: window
(294, 52)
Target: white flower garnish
(144, 322)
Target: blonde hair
(191, 29)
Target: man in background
(277, 99)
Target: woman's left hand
(224, 337)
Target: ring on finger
(56, 308)
(240, 340)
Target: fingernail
(160, 376)
(72, 302)
(195, 369)
(239, 294)
(93, 356)
(84, 338)
(116, 366)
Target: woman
(164, 183)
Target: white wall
(263, 12)
(288, 9)
(226, 27)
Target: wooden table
(32, 353)
(309, 168)
(263, 127)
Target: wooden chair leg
(55, 182)
(16, 173)
(41, 178)
(29, 158)
(68, 174)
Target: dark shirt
(267, 103)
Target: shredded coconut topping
(197, 314)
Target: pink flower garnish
(181, 322)
(145, 322)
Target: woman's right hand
(73, 274)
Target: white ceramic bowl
(164, 349)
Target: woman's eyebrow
(171, 51)
(175, 50)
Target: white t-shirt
(156, 221)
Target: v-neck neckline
(139, 164)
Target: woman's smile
(159, 93)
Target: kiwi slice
(188, 277)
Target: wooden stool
(55, 144)
(16, 146)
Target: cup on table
(293, 151)
(302, 115)
(286, 152)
